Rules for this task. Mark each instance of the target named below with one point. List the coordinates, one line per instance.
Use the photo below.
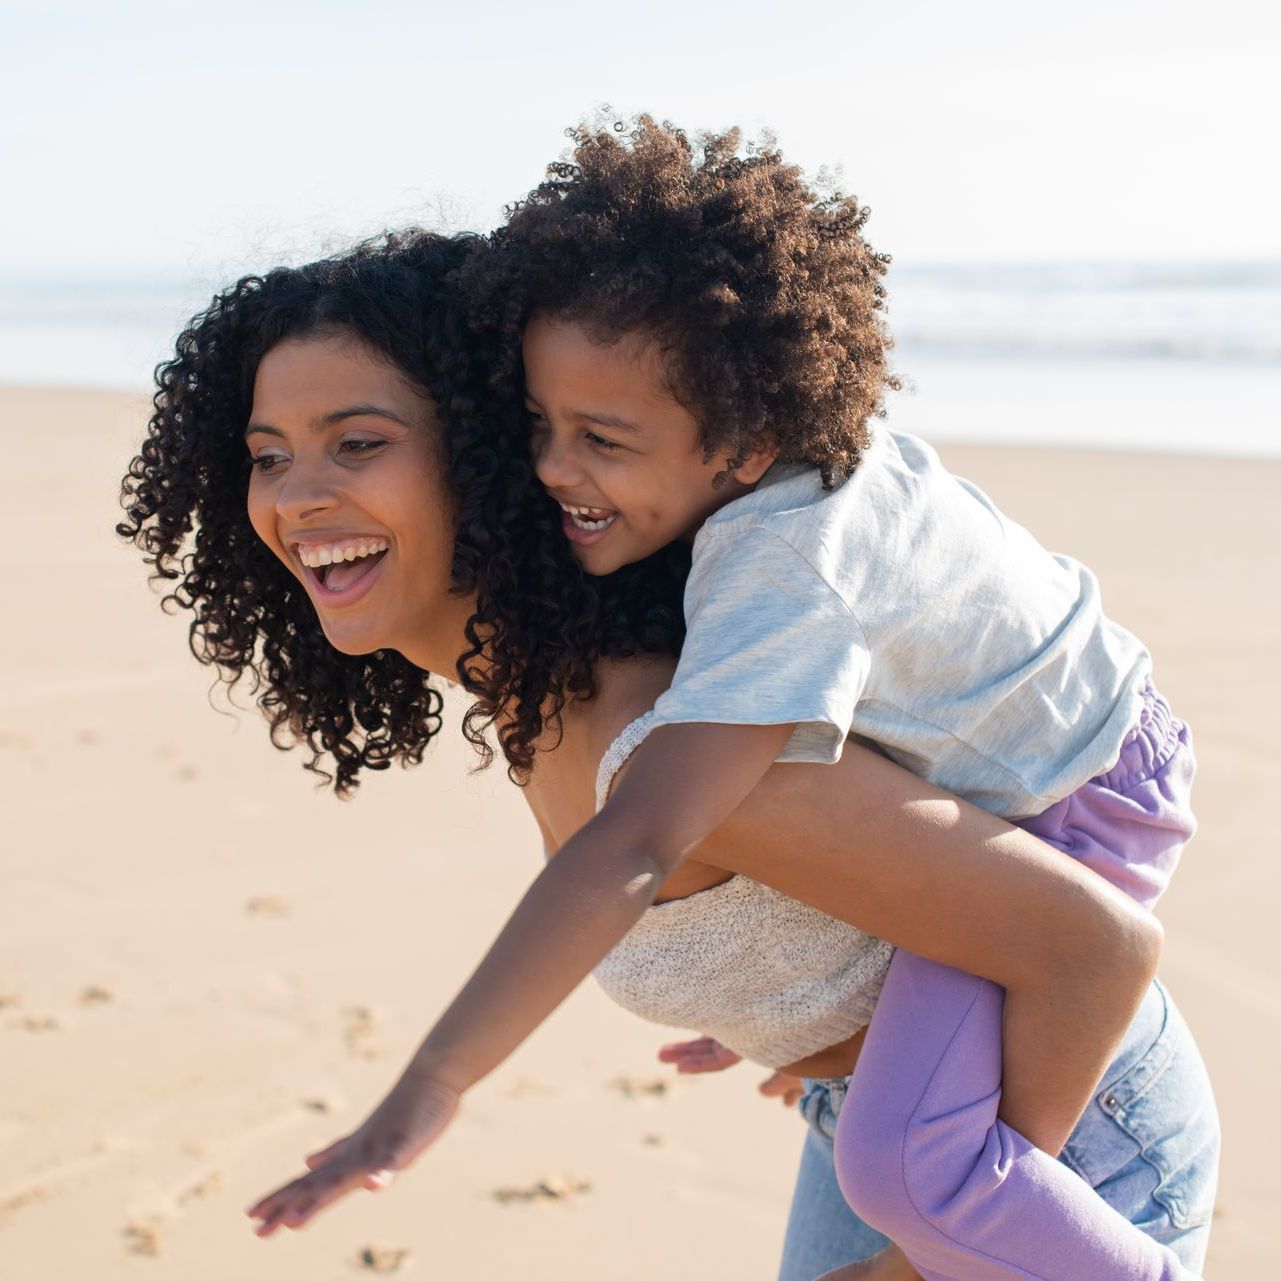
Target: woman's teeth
(591, 519)
(334, 553)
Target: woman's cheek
(262, 515)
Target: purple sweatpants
(919, 1151)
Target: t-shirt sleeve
(769, 642)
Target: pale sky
(214, 138)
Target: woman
(381, 450)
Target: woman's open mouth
(586, 524)
(342, 571)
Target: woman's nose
(305, 490)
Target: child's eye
(599, 442)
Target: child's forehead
(563, 356)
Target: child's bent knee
(916, 1177)
(868, 1154)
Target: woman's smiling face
(348, 490)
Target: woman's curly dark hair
(763, 294)
(539, 623)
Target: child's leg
(919, 1149)
(1148, 1145)
(921, 1155)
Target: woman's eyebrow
(338, 416)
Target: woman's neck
(437, 645)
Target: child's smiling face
(613, 446)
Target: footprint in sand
(19, 1200)
(359, 1034)
(630, 1087)
(555, 1187)
(383, 1258)
(86, 737)
(267, 905)
(142, 1236)
(9, 999)
(96, 994)
(38, 1023)
(211, 1183)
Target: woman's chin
(348, 638)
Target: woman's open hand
(403, 1125)
(702, 1055)
(708, 1055)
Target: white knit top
(765, 974)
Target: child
(840, 585)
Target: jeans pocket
(1152, 1134)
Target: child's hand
(405, 1123)
(708, 1055)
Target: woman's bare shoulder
(625, 689)
(561, 789)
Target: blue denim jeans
(1148, 1143)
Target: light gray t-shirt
(902, 608)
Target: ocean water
(1175, 357)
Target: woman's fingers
(701, 1055)
(783, 1086)
(677, 1050)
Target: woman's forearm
(1062, 1028)
(865, 841)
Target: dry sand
(207, 968)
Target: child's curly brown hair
(763, 294)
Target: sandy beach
(208, 967)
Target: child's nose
(554, 462)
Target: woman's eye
(358, 448)
(267, 462)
